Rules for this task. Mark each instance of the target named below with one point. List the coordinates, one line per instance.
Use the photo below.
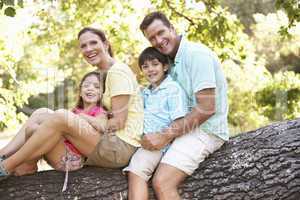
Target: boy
(164, 102)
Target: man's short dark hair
(150, 53)
(153, 16)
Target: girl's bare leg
(26, 168)
(37, 117)
(49, 133)
(54, 158)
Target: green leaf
(10, 11)
(1, 4)
(21, 3)
(9, 2)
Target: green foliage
(40, 64)
(244, 10)
(280, 98)
(10, 11)
(10, 6)
(292, 9)
(208, 23)
(279, 54)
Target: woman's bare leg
(50, 132)
(25, 132)
(37, 117)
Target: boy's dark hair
(100, 34)
(153, 16)
(101, 78)
(150, 53)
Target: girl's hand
(98, 122)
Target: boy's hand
(155, 141)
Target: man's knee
(159, 183)
(167, 179)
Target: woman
(115, 145)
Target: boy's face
(163, 38)
(154, 71)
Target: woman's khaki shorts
(111, 152)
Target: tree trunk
(262, 164)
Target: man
(204, 129)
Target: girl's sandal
(3, 172)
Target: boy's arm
(204, 109)
(98, 122)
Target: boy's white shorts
(185, 153)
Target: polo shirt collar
(163, 85)
(181, 48)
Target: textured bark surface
(261, 164)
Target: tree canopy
(40, 64)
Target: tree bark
(262, 164)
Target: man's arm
(204, 109)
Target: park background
(258, 42)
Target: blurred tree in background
(40, 64)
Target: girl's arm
(98, 122)
(119, 111)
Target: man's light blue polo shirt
(195, 68)
(163, 104)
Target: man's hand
(155, 141)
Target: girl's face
(94, 50)
(91, 90)
(154, 71)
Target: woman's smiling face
(94, 50)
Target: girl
(121, 98)
(88, 107)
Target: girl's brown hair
(101, 78)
